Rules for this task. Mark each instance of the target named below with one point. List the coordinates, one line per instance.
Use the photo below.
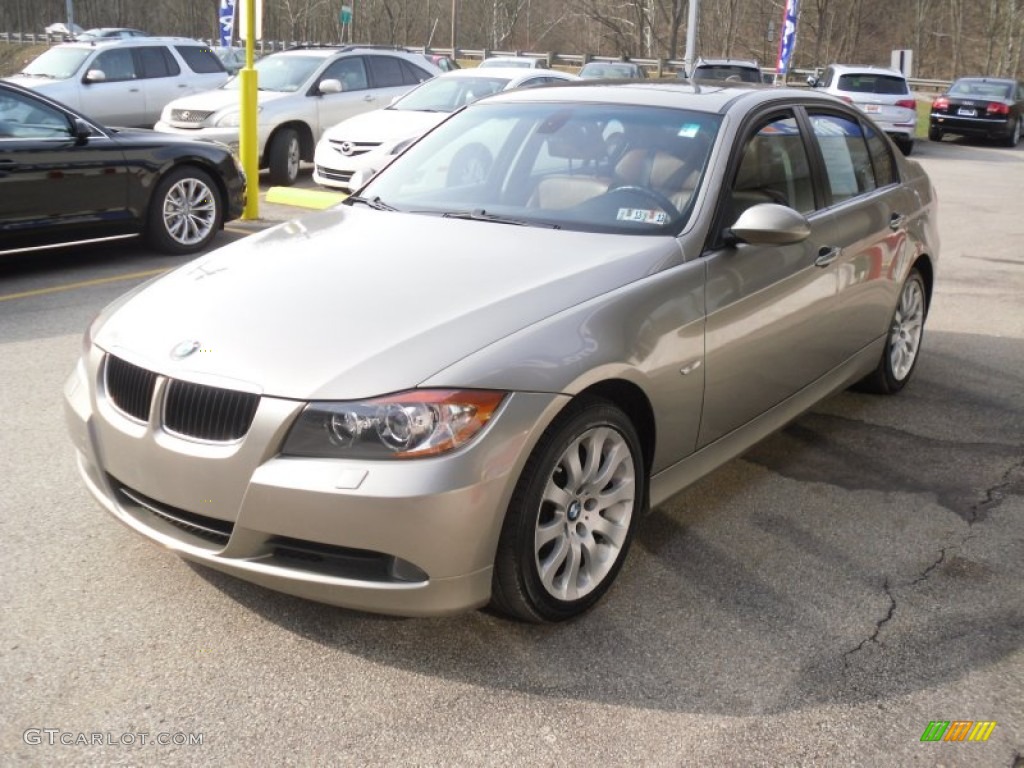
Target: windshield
(281, 73)
(611, 71)
(590, 167)
(57, 63)
(446, 94)
(728, 72)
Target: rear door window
(155, 61)
(386, 71)
(845, 153)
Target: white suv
(881, 93)
(123, 82)
(302, 93)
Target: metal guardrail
(655, 67)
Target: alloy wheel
(585, 512)
(906, 330)
(189, 211)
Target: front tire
(185, 212)
(284, 156)
(572, 515)
(903, 343)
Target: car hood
(42, 84)
(353, 302)
(221, 98)
(385, 125)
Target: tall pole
(691, 37)
(71, 17)
(247, 137)
(455, 26)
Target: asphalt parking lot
(818, 601)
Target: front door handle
(827, 255)
(897, 221)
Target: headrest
(574, 141)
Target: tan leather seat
(577, 145)
(664, 172)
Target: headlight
(420, 422)
(229, 119)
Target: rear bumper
(971, 126)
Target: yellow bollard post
(248, 143)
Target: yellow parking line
(82, 284)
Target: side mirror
(80, 130)
(769, 224)
(330, 85)
(95, 76)
(812, 81)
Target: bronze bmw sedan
(466, 384)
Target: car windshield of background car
(285, 74)
(448, 94)
(724, 73)
(57, 63)
(587, 167)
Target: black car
(983, 107)
(66, 179)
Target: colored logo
(958, 730)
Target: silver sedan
(466, 384)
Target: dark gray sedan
(466, 384)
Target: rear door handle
(827, 255)
(897, 221)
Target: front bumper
(413, 538)
(228, 136)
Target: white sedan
(352, 151)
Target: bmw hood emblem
(183, 349)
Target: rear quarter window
(199, 59)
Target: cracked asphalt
(816, 602)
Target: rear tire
(572, 515)
(285, 154)
(906, 146)
(934, 134)
(185, 211)
(1013, 137)
(903, 342)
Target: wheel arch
(306, 143)
(927, 269)
(209, 169)
(632, 400)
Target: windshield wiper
(480, 214)
(376, 203)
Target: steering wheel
(646, 192)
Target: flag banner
(227, 21)
(787, 40)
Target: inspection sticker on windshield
(641, 215)
(689, 130)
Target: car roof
(662, 93)
(512, 73)
(122, 42)
(868, 69)
(530, 59)
(348, 50)
(749, 63)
